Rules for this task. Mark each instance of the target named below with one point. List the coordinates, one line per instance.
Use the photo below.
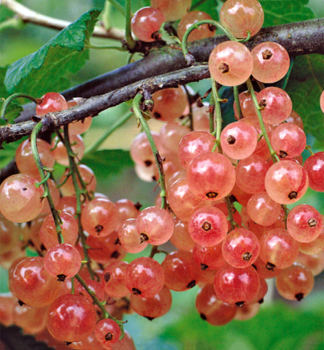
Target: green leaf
(285, 11)
(305, 86)
(12, 112)
(3, 91)
(13, 338)
(45, 70)
(108, 162)
(208, 6)
(7, 154)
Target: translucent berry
(230, 63)
(173, 10)
(51, 102)
(146, 23)
(204, 31)
(270, 62)
(107, 331)
(20, 199)
(241, 17)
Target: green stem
(309, 149)
(211, 114)
(196, 25)
(119, 122)
(118, 7)
(96, 301)
(218, 113)
(156, 154)
(56, 217)
(118, 48)
(78, 193)
(128, 33)
(246, 39)
(286, 210)
(190, 109)
(274, 156)
(72, 285)
(237, 102)
(12, 97)
(12, 23)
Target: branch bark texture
(124, 83)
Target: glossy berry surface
(241, 17)
(107, 331)
(230, 63)
(270, 62)
(172, 9)
(51, 102)
(71, 318)
(204, 31)
(146, 23)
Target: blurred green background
(279, 325)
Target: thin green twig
(158, 160)
(118, 7)
(218, 114)
(128, 32)
(40, 167)
(237, 101)
(12, 97)
(274, 156)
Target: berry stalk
(237, 101)
(218, 113)
(78, 193)
(128, 33)
(157, 157)
(264, 133)
(196, 25)
(40, 167)
(12, 97)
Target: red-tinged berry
(288, 140)
(169, 104)
(208, 226)
(241, 17)
(71, 318)
(155, 225)
(130, 238)
(315, 262)
(250, 174)
(212, 309)
(236, 286)
(286, 182)
(278, 249)
(262, 209)
(32, 284)
(314, 165)
(20, 199)
(210, 258)
(25, 160)
(295, 282)
(211, 176)
(230, 63)
(103, 249)
(99, 217)
(238, 140)
(173, 10)
(181, 238)
(62, 261)
(51, 102)
(146, 23)
(144, 277)
(246, 104)
(271, 62)
(154, 307)
(114, 279)
(180, 270)
(247, 311)
(107, 331)
(240, 248)
(276, 105)
(69, 230)
(182, 201)
(304, 223)
(194, 144)
(204, 31)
